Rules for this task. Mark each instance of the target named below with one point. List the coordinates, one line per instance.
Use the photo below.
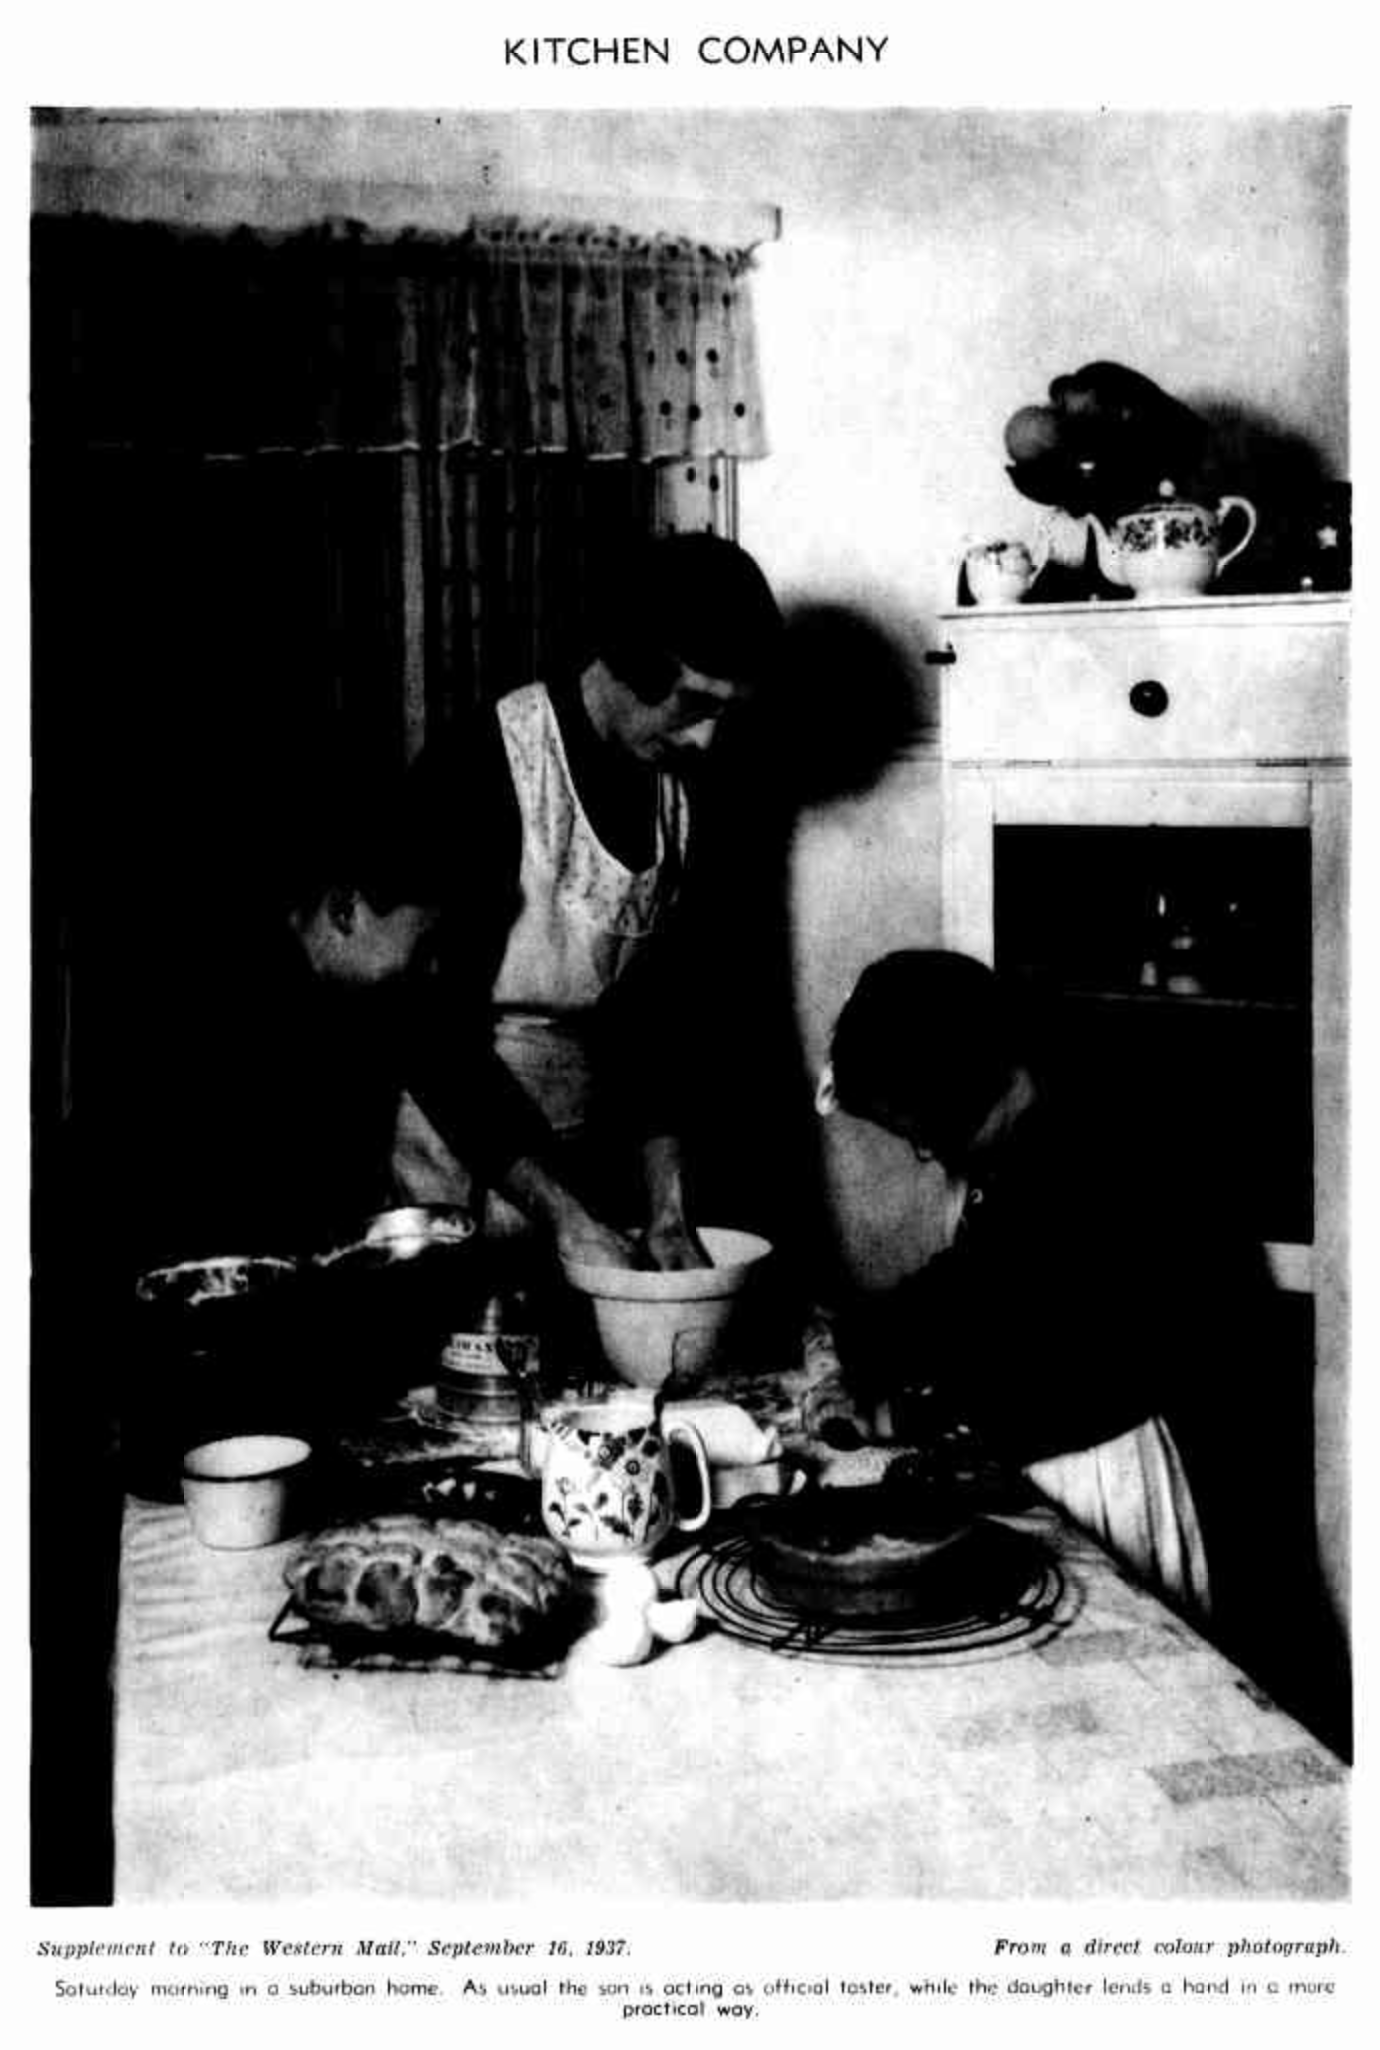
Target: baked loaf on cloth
(406, 1577)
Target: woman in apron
(542, 1086)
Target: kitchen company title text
(527, 51)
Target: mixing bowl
(652, 1323)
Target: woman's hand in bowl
(584, 1242)
(673, 1246)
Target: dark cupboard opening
(1177, 965)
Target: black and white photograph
(690, 1013)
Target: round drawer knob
(1149, 698)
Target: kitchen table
(1108, 1752)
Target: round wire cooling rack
(998, 1592)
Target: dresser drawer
(1225, 681)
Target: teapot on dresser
(1171, 549)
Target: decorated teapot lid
(1168, 501)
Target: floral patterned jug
(608, 1486)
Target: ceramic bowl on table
(654, 1324)
(231, 1278)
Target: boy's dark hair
(925, 1046)
(342, 825)
(669, 599)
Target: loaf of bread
(466, 1582)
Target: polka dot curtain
(594, 342)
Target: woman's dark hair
(669, 599)
(925, 1046)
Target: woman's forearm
(670, 1241)
(576, 1233)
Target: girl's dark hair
(667, 599)
(925, 1046)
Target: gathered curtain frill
(514, 337)
(608, 344)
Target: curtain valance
(513, 336)
(613, 344)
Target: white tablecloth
(1121, 1757)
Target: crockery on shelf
(1003, 572)
(1171, 549)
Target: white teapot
(1171, 549)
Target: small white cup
(240, 1492)
(1000, 572)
